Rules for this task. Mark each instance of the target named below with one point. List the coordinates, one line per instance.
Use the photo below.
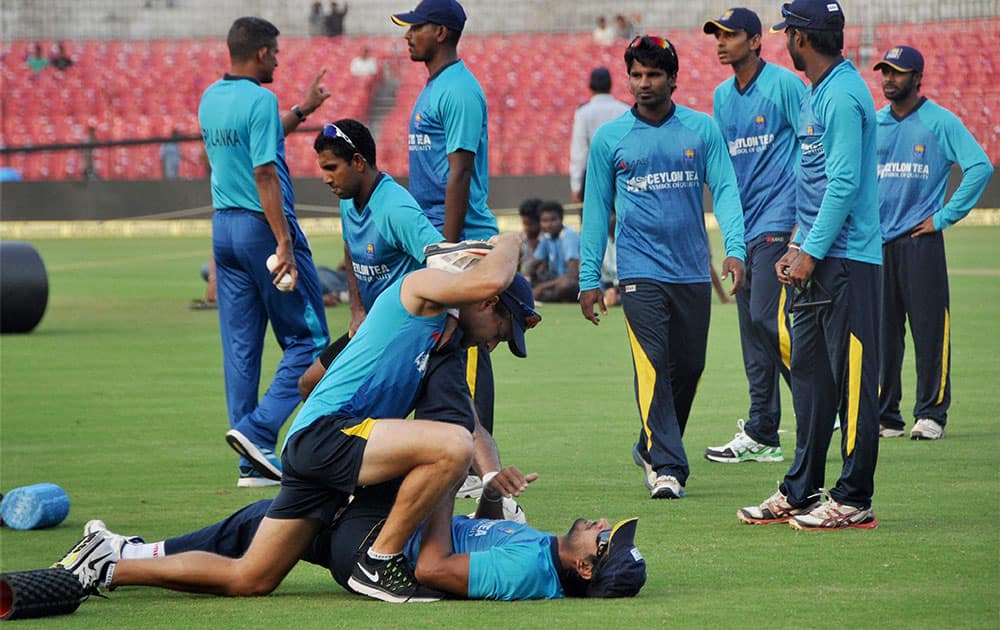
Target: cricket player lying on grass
(475, 558)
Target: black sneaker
(390, 581)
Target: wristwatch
(298, 112)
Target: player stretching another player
(834, 263)
(918, 143)
(650, 166)
(757, 111)
(349, 433)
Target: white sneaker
(743, 448)
(666, 487)
(471, 489)
(92, 561)
(647, 468)
(774, 509)
(511, 511)
(832, 515)
(118, 541)
(926, 429)
(889, 432)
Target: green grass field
(117, 396)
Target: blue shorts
(320, 466)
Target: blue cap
(735, 19)
(816, 15)
(622, 571)
(902, 59)
(447, 13)
(520, 301)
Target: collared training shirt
(759, 126)
(507, 560)
(652, 174)
(449, 115)
(600, 109)
(558, 251)
(241, 128)
(386, 238)
(836, 195)
(915, 156)
(379, 371)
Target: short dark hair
(829, 43)
(247, 35)
(550, 206)
(359, 135)
(651, 55)
(453, 37)
(529, 208)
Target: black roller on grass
(24, 287)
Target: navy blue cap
(902, 59)
(735, 19)
(520, 301)
(622, 570)
(816, 15)
(447, 13)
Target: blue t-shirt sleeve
(842, 117)
(598, 200)
(512, 572)
(265, 127)
(542, 249)
(961, 148)
(406, 227)
(462, 114)
(721, 179)
(791, 90)
(570, 244)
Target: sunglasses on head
(650, 40)
(813, 296)
(331, 130)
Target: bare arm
(269, 189)
(354, 291)
(438, 566)
(429, 292)
(315, 95)
(456, 194)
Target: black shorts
(330, 353)
(320, 466)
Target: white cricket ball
(286, 281)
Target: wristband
(794, 246)
(488, 477)
(298, 112)
(453, 312)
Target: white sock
(380, 556)
(142, 551)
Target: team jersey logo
(417, 118)
(370, 250)
(622, 166)
(919, 150)
(759, 120)
(689, 155)
(809, 130)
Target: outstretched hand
(315, 94)
(509, 482)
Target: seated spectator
(59, 59)
(555, 266)
(316, 19)
(36, 60)
(604, 35)
(609, 267)
(364, 65)
(532, 229)
(623, 28)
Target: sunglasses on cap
(651, 40)
(602, 543)
(331, 130)
(787, 13)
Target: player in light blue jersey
(449, 155)
(483, 557)
(834, 264)
(758, 110)
(554, 266)
(350, 433)
(918, 143)
(384, 229)
(650, 166)
(254, 218)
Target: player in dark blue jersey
(834, 264)
(757, 111)
(918, 143)
(482, 557)
(254, 218)
(350, 433)
(650, 166)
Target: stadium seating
(533, 83)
